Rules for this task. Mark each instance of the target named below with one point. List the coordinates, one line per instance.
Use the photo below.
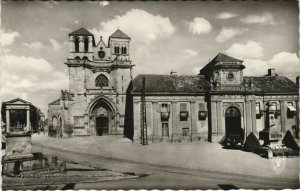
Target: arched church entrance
(102, 118)
(233, 121)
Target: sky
(180, 36)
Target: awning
(291, 108)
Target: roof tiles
(119, 34)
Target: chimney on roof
(297, 80)
(172, 72)
(271, 72)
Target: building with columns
(20, 116)
(217, 101)
(99, 75)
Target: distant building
(103, 99)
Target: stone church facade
(103, 99)
(99, 76)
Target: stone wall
(76, 80)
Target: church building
(103, 99)
(99, 76)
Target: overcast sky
(181, 36)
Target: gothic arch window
(85, 58)
(76, 41)
(101, 81)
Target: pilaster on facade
(7, 121)
(194, 119)
(155, 122)
(283, 109)
(137, 122)
(297, 117)
(86, 122)
(71, 45)
(213, 114)
(220, 129)
(248, 116)
(90, 40)
(176, 135)
(28, 119)
(253, 116)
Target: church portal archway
(233, 121)
(102, 118)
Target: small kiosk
(18, 156)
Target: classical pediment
(18, 101)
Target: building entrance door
(233, 121)
(102, 126)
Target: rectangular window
(258, 112)
(76, 44)
(164, 112)
(183, 112)
(86, 44)
(202, 112)
(290, 113)
(165, 129)
(164, 107)
(185, 132)
(257, 108)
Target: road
(158, 177)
